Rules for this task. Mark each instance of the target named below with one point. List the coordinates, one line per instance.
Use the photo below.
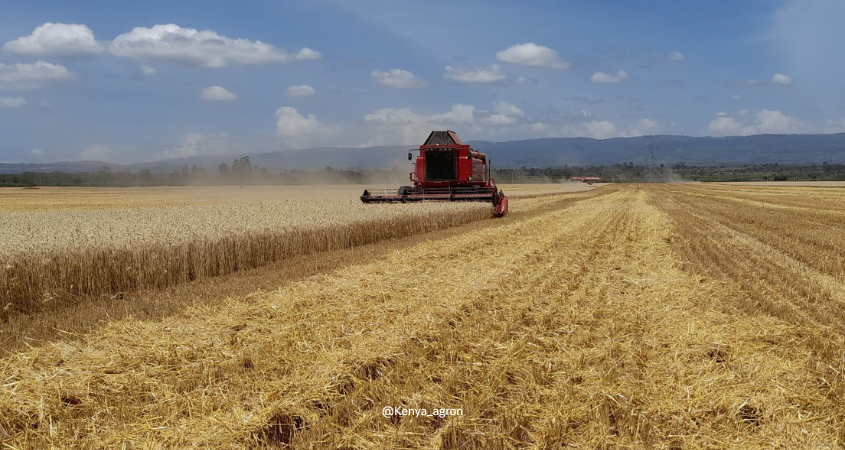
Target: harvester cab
(446, 170)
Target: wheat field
(629, 316)
(53, 257)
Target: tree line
(242, 172)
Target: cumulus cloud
(509, 109)
(533, 55)
(36, 152)
(605, 78)
(777, 79)
(148, 70)
(504, 114)
(675, 56)
(200, 48)
(583, 124)
(775, 122)
(646, 125)
(600, 129)
(780, 78)
(725, 126)
(56, 39)
(15, 102)
(195, 144)
(405, 127)
(479, 75)
(300, 131)
(302, 90)
(765, 121)
(29, 76)
(96, 152)
(398, 78)
(218, 94)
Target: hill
(548, 152)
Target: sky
(126, 82)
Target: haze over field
(138, 82)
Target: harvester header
(446, 170)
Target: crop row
(51, 259)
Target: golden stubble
(610, 320)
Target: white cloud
(765, 122)
(498, 120)
(217, 93)
(647, 125)
(725, 126)
(148, 70)
(15, 102)
(538, 127)
(36, 152)
(605, 78)
(96, 152)
(398, 78)
(600, 129)
(675, 56)
(300, 131)
(29, 76)
(195, 144)
(534, 55)
(508, 109)
(56, 39)
(302, 90)
(465, 75)
(201, 48)
(775, 122)
(582, 124)
(506, 114)
(391, 126)
(780, 78)
(405, 127)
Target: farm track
(612, 319)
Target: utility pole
(651, 148)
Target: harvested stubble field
(651, 316)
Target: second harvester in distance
(446, 170)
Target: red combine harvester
(588, 180)
(446, 170)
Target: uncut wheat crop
(48, 257)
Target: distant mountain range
(549, 152)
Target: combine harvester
(446, 170)
(588, 180)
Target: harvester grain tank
(446, 170)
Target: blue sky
(127, 82)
